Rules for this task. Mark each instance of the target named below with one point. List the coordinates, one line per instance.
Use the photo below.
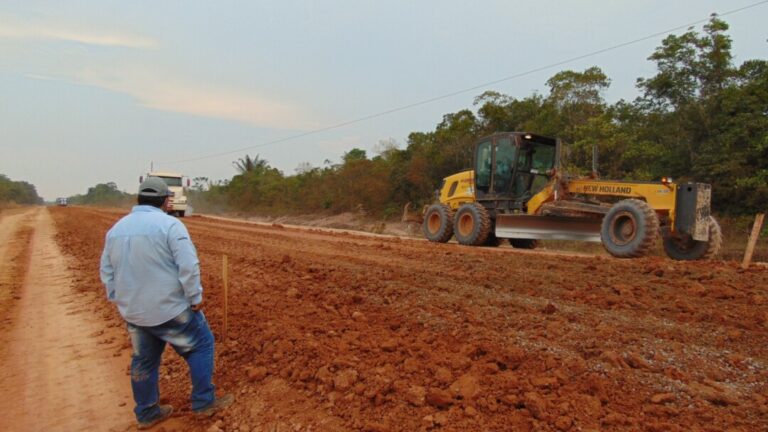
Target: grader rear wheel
(438, 223)
(630, 229)
(471, 224)
(524, 243)
(492, 240)
(688, 249)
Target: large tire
(438, 223)
(524, 243)
(472, 224)
(688, 249)
(630, 229)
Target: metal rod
(594, 161)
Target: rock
(292, 293)
(622, 289)
(490, 368)
(216, 427)
(510, 399)
(256, 373)
(591, 406)
(411, 365)
(443, 375)
(441, 418)
(358, 316)
(466, 387)
(345, 379)
(713, 393)
(416, 395)
(535, 405)
(661, 398)
(544, 382)
(564, 423)
(635, 361)
(514, 358)
(389, 344)
(428, 421)
(324, 375)
(613, 358)
(549, 309)
(438, 398)
(470, 411)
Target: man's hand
(197, 307)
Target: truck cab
(175, 182)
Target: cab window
(505, 160)
(483, 166)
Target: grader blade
(548, 227)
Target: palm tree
(248, 164)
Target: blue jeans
(191, 338)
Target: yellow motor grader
(517, 191)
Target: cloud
(13, 29)
(171, 93)
(138, 76)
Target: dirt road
(342, 332)
(57, 367)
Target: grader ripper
(517, 191)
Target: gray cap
(154, 187)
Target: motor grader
(518, 191)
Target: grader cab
(517, 191)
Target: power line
(465, 90)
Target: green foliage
(104, 194)
(19, 192)
(248, 164)
(700, 117)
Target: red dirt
(332, 332)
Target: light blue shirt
(150, 267)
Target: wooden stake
(753, 240)
(225, 278)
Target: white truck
(175, 182)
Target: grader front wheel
(629, 229)
(438, 223)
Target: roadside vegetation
(17, 193)
(105, 195)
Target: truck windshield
(172, 181)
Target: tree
(19, 192)
(354, 155)
(103, 194)
(247, 164)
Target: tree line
(18, 192)
(104, 194)
(701, 117)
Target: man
(151, 272)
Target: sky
(102, 91)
